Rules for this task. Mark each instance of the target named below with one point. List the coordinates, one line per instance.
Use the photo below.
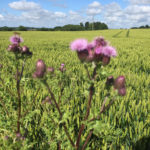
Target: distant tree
(58, 28)
(81, 24)
(147, 26)
(71, 27)
(87, 25)
(22, 28)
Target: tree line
(68, 27)
(141, 27)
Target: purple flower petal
(79, 45)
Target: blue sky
(50, 13)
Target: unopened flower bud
(47, 100)
(100, 41)
(25, 50)
(122, 91)
(105, 60)
(18, 135)
(50, 69)
(119, 82)
(14, 48)
(38, 74)
(110, 81)
(40, 66)
(6, 138)
(62, 69)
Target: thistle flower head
(100, 41)
(109, 51)
(16, 39)
(98, 50)
(79, 44)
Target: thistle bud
(110, 81)
(25, 50)
(47, 100)
(100, 41)
(119, 82)
(14, 48)
(18, 135)
(50, 69)
(40, 66)
(122, 91)
(62, 69)
(38, 74)
(105, 60)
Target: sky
(51, 13)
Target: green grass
(130, 115)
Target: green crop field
(124, 126)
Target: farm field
(126, 125)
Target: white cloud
(32, 14)
(1, 17)
(139, 1)
(95, 4)
(94, 8)
(60, 14)
(132, 15)
(24, 5)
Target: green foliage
(124, 126)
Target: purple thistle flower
(109, 51)
(16, 39)
(79, 44)
(100, 41)
(98, 50)
(90, 46)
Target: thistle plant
(21, 54)
(94, 56)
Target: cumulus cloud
(139, 1)
(60, 14)
(94, 8)
(24, 5)
(95, 4)
(1, 17)
(32, 14)
(132, 15)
